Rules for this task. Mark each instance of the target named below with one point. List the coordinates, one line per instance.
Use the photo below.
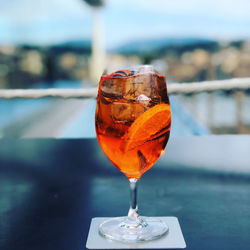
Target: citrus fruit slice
(149, 125)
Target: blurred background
(67, 44)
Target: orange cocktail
(133, 121)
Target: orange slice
(149, 125)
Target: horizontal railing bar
(173, 88)
(41, 93)
(209, 86)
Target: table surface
(50, 190)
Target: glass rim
(140, 69)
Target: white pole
(98, 56)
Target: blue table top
(50, 190)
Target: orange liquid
(115, 113)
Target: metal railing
(173, 88)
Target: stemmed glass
(133, 121)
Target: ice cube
(144, 84)
(126, 112)
(143, 99)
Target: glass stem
(132, 213)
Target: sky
(55, 21)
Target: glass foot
(133, 230)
